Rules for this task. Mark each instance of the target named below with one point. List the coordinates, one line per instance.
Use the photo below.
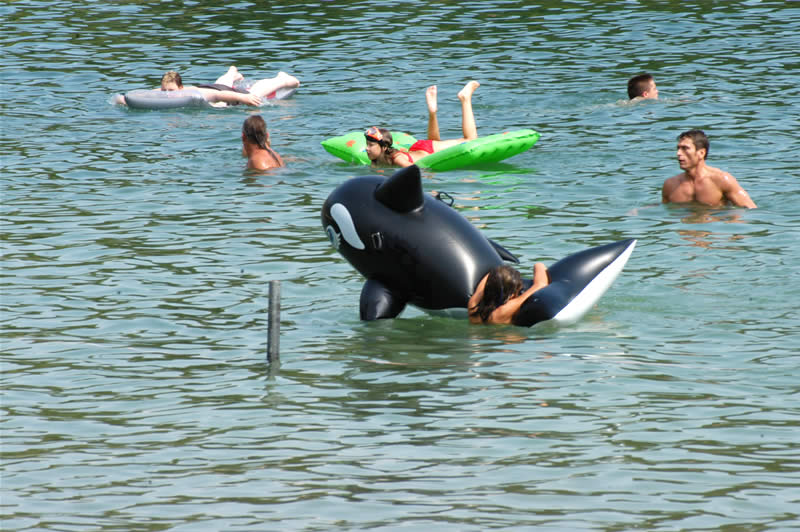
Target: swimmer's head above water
(171, 81)
(642, 87)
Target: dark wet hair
(638, 84)
(503, 283)
(698, 138)
(254, 130)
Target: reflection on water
(137, 252)
(706, 238)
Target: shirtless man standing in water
(700, 182)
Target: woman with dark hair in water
(499, 295)
(255, 145)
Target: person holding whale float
(379, 140)
(499, 295)
(414, 249)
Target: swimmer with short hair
(700, 182)
(222, 92)
(642, 87)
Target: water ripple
(136, 255)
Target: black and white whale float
(415, 249)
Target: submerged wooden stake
(274, 330)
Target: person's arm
(475, 299)
(230, 97)
(240, 97)
(666, 190)
(735, 193)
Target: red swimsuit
(406, 154)
(422, 145)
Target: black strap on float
(444, 197)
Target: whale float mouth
(342, 217)
(577, 283)
(590, 294)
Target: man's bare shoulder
(675, 180)
(718, 176)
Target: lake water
(137, 254)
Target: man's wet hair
(698, 138)
(638, 84)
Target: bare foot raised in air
(288, 80)
(230, 77)
(237, 76)
(469, 88)
(430, 98)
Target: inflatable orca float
(415, 249)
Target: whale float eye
(333, 236)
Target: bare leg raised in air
(264, 87)
(468, 127)
(433, 107)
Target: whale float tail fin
(402, 192)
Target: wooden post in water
(274, 330)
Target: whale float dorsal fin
(402, 192)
